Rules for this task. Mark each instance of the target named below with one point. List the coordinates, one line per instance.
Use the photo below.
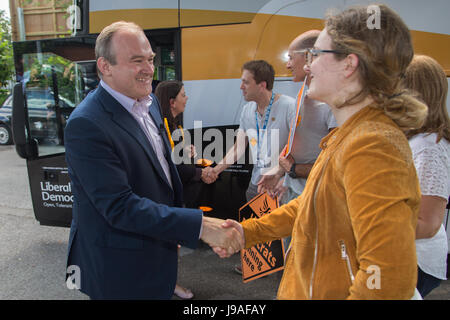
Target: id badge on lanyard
(260, 163)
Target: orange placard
(265, 258)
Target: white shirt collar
(125, 101)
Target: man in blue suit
(127, 215)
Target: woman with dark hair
(430, 145)
(353, 227)
(172, 98)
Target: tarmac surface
(33, 257)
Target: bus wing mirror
(26, 148)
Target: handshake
(209, 175)
(225, 237)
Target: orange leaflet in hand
(204, 162)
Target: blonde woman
(353, 227)
(430, 146)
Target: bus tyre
(5, 135)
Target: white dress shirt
(139, 110)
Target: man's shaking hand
(231, 224)
(227, 235)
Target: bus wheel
(5, 135)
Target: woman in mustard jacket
(353, 227)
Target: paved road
(32, 257)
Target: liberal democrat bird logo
(265, 208)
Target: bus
(203, 43)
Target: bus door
(53, 78)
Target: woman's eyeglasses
(312, 53)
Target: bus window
(53, 87)
(55, 76)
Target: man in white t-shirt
(264, 123)
(316, 122)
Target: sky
(4, 5)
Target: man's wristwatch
(291, 172)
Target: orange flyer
(264, 258)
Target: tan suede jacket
(353, 227)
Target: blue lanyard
(266, 120)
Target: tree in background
(6, 55)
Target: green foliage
(6, 52)
(3, 95)
(64, 70)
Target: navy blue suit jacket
(127, 220)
